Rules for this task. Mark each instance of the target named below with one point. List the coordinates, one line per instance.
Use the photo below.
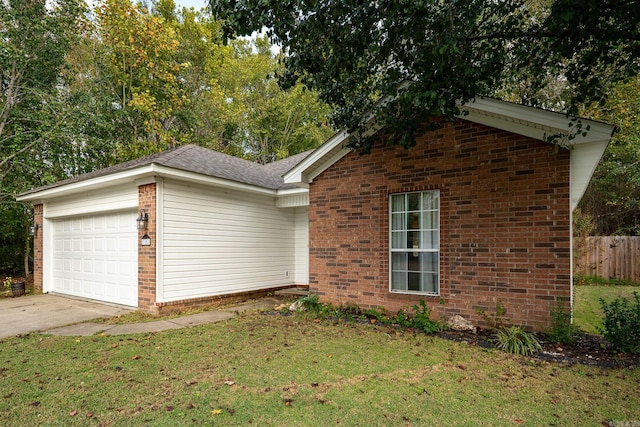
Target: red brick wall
(37, 249)
(505, 224)
(147, 254)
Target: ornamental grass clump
(515, 340)
(511, 339)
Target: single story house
(217, 226)
(478, 212)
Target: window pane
(413, 281)
(413, 221)
(413, 261)
(414, 201)
(397, 203)
(397, 221)
(430, 220)
(431, 200)
(430, 240)
(399, 281)
(430, 282)
(429, 262)
(399, 240)
(413, 240)
(399, 261)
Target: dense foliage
(85, 89)
(359, 54)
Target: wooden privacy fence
(609, 257)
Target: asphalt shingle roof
(192, 158)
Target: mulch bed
(587, 349)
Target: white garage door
(96, 256)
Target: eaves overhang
(586, 149)
(139, 175)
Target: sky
(198, 4)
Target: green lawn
(269, 370)
(587, 313)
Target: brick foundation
(163, 308)
(505, 224)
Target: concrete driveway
(42, 312)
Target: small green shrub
(375, 313)
(402, 319)
(497, 320)
(516, 340)
(562, 330)
(311, 302)
(422, 319)
(621, 324)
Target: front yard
(260, 369)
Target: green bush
(621, 324)
(562, 330)
(311, 302)
(422, 319)
(516, 340)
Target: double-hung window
(415, 242)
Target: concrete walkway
(62, 315)
(45, 311)
(91, 328)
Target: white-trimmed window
(415, 242)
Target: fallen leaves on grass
(216, 412)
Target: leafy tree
(264, 122)
(36, 36)
(359, 53)
(141, 73)
(612, 200)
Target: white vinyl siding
(415, 242)
(302, 246)
(217, 241)
(105, 200)
(96, 256)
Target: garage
(96, 257)
(184, 228)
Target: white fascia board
(585, 150)
(89, 184)
(532, 122)
(141, 175)
(181, 175)
(292, 191)
(318, 161)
